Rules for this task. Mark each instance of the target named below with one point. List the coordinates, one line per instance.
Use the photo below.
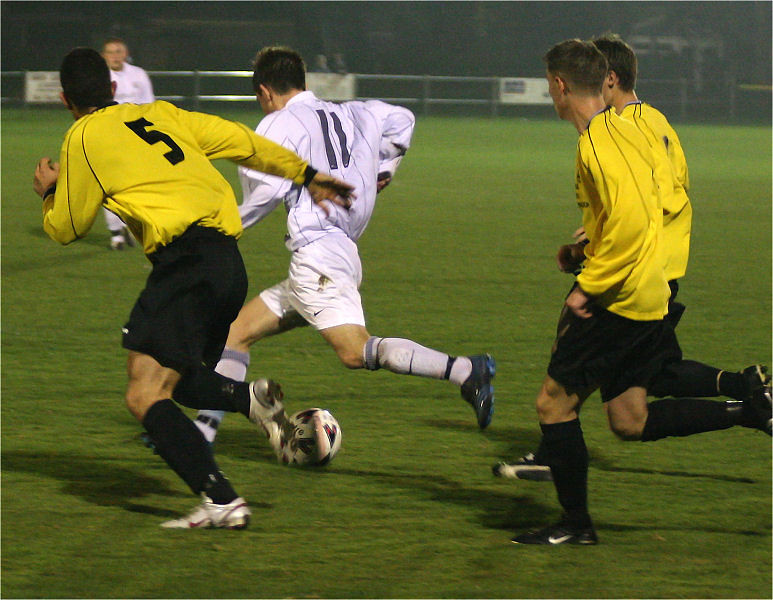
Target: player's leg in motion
(473, 374)
(181, 445)
(254, 322)
(233, 365)
(680, 378)
(565, 451)
(689, 378)
(669, 417)
(120, 237)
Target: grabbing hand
(46, 175)
(580, 236)
(384, 179)
(324, 188)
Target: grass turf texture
(459, 256)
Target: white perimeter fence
(425, 94)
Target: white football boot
(268, 413)
(234, 515)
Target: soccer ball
(316, 438)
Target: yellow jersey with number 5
(150, 165)
(677, 210)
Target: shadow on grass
(244, 445)
(102, 240)
(656, 527)
(95, 479)
(522, 441)
(23, 265)
(497, 510)
(599, 464)
(509, 509)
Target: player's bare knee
(553, 405)
(628, 431)
(550, 410)
(543, 407)
(136, 403)
(240, 337)
(626, 421)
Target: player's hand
(570, 257)
(324, 188)
(579, 236)
(383, 180)
(579, 303)
(46, 174)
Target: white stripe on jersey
(353, 141)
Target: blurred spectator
(320, 64)
(132, 82)
(339, 66)
(132, 85)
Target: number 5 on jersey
(154, 136)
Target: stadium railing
(432, 93)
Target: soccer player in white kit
(361, 143)
(132, 86)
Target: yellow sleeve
(620, 233)
(220, 138)
(678, 160)
(69, 216)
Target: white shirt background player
(132, 86)
(363, 144)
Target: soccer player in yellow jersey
(610, 336)
(150, 165)
(613, 323)
(682, 378)
(688, 381)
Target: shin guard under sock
(181, 445)
(563, 449)
(686, 378)
(687, 416)
(201, 387)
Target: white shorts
(323, 284)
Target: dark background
(707, 43)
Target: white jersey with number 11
(353, 141)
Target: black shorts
(609, 352)
(196, 288)
(670, 347)
(675, 309)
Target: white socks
(409, 358)
(460, 370)
(234, 365)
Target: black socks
(181, 445)
(686, 416)
(203, 388)
(563, 449)
(686, 378)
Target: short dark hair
(621, 58)
(580, 63)
(115, 40)
(279, 67)
(85, 78)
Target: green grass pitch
(459, 256)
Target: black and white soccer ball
(316, 438)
